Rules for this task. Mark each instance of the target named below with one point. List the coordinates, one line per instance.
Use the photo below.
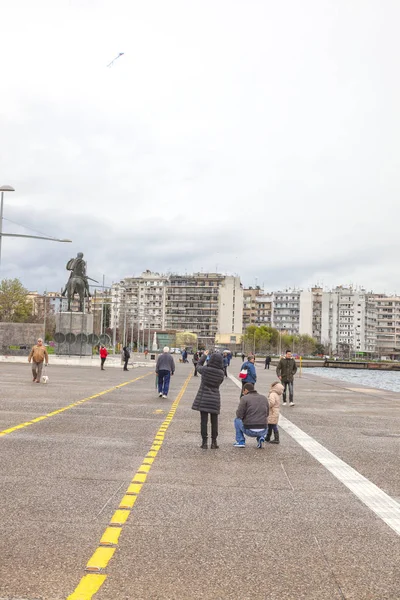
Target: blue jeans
(241, 431)
(290, 384)
(163, 381)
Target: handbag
(243, 374)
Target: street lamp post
(3, 188)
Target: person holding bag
(208, 398)
(248, 372)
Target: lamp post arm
(36, 237)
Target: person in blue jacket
(251, 371)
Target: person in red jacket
(103, 356)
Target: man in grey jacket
(251, 417)
(165, 367)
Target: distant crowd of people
(256, 416)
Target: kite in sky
(114, 59)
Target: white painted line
(377, 500)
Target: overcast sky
(250, 136)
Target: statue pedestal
(72, 333)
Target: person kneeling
(251, 417)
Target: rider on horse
(77, 266)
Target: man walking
(267, 362)
(286, 370)
(38, 355)
(165, 367)
(251, 417)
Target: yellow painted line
(120, 517)
(148, 461)
(134, 488)
(88, 586)
(60, 410)
(139, 478)
(127, 502)
(103, 554)
(111, 536)
(100, 559)
(144, 468)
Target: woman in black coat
(126, 357)
(208, 399)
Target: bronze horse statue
(76, 285)
(78, 281)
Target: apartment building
(286, 311)
(140, 301)
(388, 324)
(348, 320)
(264, 306)
(208, 304)
(250, 305)
(49, 302)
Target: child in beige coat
(274, 401)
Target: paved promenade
(110, 496)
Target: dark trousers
(103, 360)
(226, 371)
(195, 369)
(285, 385)
(126, 364)
(272, 428)
(267, 365)
(163, 381)
(204, 425)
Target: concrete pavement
(231, 523)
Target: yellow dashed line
(90, 584)
(60, 410)
(110, 536)
(100, 559)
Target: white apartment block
(388, 324)
(343, 319)
(139, 300)
(348, 320)
(286, 311)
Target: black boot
(276, 438)
(204, 445)
(214, 445)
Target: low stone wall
(19, 334)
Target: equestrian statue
(77, 282)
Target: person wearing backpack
(251, 376)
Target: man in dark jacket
(251, 417)
(286, 370)
(126, 357)
(165, 367)
(208, 399)
(267, 362)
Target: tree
(14, 305)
